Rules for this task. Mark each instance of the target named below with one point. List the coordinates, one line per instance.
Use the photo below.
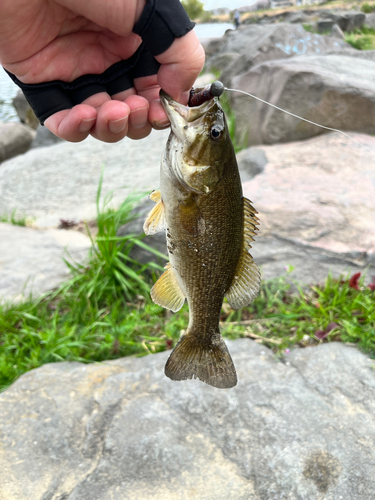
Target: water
(8, 89)
(210, 30)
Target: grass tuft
(16, 219)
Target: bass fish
(209, 228)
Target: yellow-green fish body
(209, 227)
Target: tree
(194, 8)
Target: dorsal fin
(167, 292)
(246, 282)
(155, 221)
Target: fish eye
(217, 133)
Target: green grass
(367, 8)
(362, 39)
(336, 310)
(16, 219)
(104, 311)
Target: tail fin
(208, 360)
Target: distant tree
(194, 8)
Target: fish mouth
(181, 116)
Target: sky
(231, 4)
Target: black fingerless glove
(160, 23)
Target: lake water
(8, 89)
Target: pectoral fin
(155, 196)
(191, 217)
(167, 292)
(155, 220)
(246, 282)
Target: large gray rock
(370, 20)
(256, 44)
(25, 111)
(61, 181)
(336, 91)
(319, 193)
(31, 261)
(44, 138)
(348, 21)
(300, 429)
(15, 139)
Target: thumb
(180, 66)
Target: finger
(148, 87)
(180, 66)
(74, 124)
(112, 121)
(157, 116)
(139, 125)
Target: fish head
(198, 145)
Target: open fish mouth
(181, 116)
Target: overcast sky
(231, 4)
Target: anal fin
(155, 220)
(167, 292)
(196, 357)
(246, 282)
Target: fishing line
(217, 88)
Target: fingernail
(86, 124)
(117, 126)
(138, 119)
(161, 124)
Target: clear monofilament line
(300, 117)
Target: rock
(348, 21)
(325, 25)
(308, 87)
(15, 139)
(31, 261)
(258, 44)
(319, 193)
(156, 241)
(302, 428)
(61, 181)
(44, 138)
(222, 60)
(370, 20)
(251, 162)
(297, 18)
(336, 32)
(25, 111)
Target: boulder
(297, 427)
(370, 20)
(25, 111)
(44, 138)
(309, 87)
(320, 194)
(15, 139)
(221, 61)
(61, 181)
(251, 162)
(31, 261)
(257, 44)
(348, 21)
(325, 25)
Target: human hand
(43, 40)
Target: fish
(209, 228)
